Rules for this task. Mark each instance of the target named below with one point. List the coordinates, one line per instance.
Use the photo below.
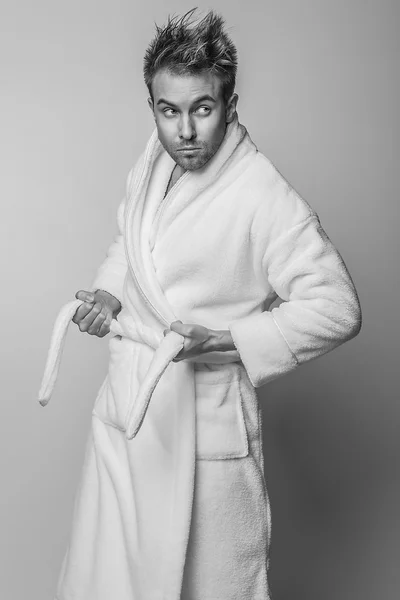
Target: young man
(172, 502)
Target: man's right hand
(97, 311)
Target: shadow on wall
(321, 456)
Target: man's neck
(177, 172)
(175, 175)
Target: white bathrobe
(172, 502)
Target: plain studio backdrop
(319, 93)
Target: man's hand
(97, 311)
(197, 339)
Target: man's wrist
(220, 341)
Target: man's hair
(186, 47)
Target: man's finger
(85, 296)
(178, 357)
(86, 322)
(81, 312)
(178, 327)
(96, 324)
(105, 328)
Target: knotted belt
(166, 348)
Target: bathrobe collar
(235, 147)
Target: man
(172, 502)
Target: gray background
(319, 94)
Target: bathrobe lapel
(150, 215)
(190, 186)
(137, 235)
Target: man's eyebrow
(201, 99)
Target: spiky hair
(187, 47)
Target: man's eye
(169, 111)
(204, 110)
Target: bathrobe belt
(166, 348)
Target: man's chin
(189, 163)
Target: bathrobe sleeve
(111, 274)
(320, 308)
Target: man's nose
(186, 128)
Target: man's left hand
(197, 339)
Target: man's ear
(151, 105)
(231, 107)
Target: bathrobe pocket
(112, 402)
(220, 425)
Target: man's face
(190, 114)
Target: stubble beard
(197, 161)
